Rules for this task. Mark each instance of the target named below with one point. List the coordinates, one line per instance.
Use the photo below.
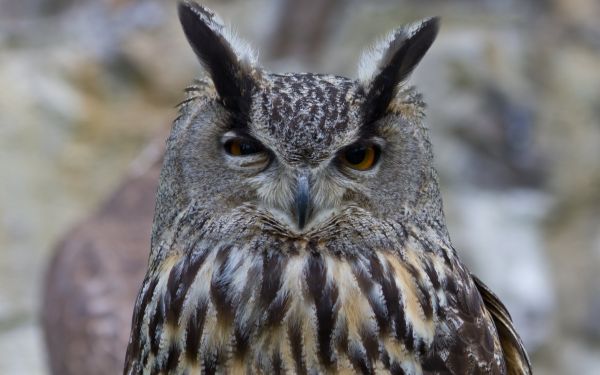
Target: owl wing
(515, 356)
(94, 276)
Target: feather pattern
(515, 355)
(295, 305)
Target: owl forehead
(306, 117)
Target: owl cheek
(329, 193)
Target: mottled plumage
(275, 251)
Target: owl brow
(243, 132)
(368, 124)
(238, 121)
(368, 129)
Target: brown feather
(515, 356)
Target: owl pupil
(248, 148)
(239, 147)
(356, 155)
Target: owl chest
(270, 313)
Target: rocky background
(514, 107)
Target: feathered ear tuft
(228, 60)
(390, 62)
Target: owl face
(303, 150)
(307, 129)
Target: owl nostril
(302, 200)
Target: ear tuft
(228, 60)
(392, 60)
(375, 59)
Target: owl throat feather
(270, 303)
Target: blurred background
(513, 93)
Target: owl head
(299, 152)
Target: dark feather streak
(325, 297)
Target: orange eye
(241, 147)
(360, 157)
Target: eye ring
(360, 156)
(242, 147)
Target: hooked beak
(302, 200)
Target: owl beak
(302, 200)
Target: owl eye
(242, 147)
(361, 157)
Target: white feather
(242, 49)
(376, 57)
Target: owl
(299, 227)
